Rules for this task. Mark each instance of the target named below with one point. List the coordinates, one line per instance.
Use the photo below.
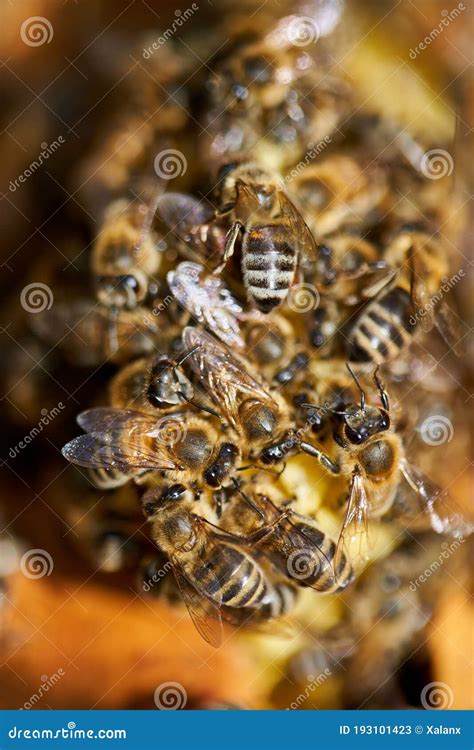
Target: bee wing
(306, 243)
(448, 325)
(208, 300)
(419, 293)
(444, 514)
(353, 537)
(222, 376)
(109, 450)
(204, 613)
(305, 556)
(104, 418)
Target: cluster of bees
(261, 306)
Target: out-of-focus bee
(371, 455)
(211, 570)
(293, 543)
(181, 446)
(125, 254)
(90, 333)
(208, 301)
(275, 238)
(272, 344)
(410, 299)
(338, 193)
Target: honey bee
(275, 239)
(338, 193)
(211, 570)
(293, 543)
(125, 254)
(90, 333)
(148, 385)
(386, 325)
(183, 447)
(260, 420)
(371, 455)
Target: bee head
(360, 424)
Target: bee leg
(230, 240)
(323, 458)
(199, 406)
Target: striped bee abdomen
(232, 577)
(314, 565)
(383, 329)
(268, 264)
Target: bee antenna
(326, 408)
(381, 388)
(357, 382)
(185, 356)
(247, 499)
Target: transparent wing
(184, 214)
(447, 323)
(208, 300)
(444, 514)
(109, 450)
(223, 376)
(354, 538)
(205, 614)
(105, 418)
(304, 237)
